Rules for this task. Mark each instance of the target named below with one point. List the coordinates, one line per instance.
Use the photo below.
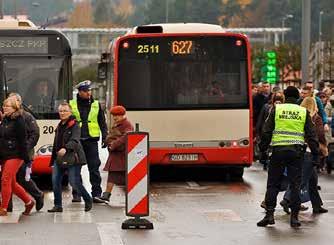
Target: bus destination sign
(23, 45)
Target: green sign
(269, 69)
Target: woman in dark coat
(67, 140)
(116, 145)
(13, 152)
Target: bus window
(37, 80)
(210, 74)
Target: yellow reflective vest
(289, 125)
(93, 125)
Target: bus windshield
(188, 72)
(37, 80)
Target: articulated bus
(36, 63)
(188, 85)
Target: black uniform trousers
(91, 150)
(292, 160)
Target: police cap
(84, 85)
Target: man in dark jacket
(32, 138)
(92, 121)
(287, 128)
(67, 142)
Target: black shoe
(294, 222)
(76, 199)
(98, 200)
(56, 210)
(303, 208)
(320, 210)
(40, 202)
(285, 205)
(88, 205)
(267, 220)
(105, 196)
(263, 205)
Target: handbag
(69, 158)
(304, 194)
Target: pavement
(202, 207)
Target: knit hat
(117, 110)
(291, 92)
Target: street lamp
(320, 25)
(288, 16)
(167, 10)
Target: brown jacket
(116, 146)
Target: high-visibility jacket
(93, 125)
(289, 125)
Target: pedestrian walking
(67, 156)
(13, 153)
(23, 174)
(91, 119)
(277, 98)
(309, 184)
(116, 146)
(287, 127)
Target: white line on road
(193, 184)
(109, 234)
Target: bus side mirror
(102, 71)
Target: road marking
(222, 215)
(193, 184)
(11, 218)
(328, 200)
(109, 234)
(70, 216)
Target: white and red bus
(189, 86)
(37, 64)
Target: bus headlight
(44, 150)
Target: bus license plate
(183, 157)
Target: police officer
(287, 127)
(92, 121)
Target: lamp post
(320, 47)
(288, 16)
(1, 9)
(167, 10)
(320, 24)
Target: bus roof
(177, 28)
(16, 24)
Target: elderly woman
(13, 152)
(116, 145)
(67, 141)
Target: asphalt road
(201, 207)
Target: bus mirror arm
(26, 108)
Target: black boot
(285, 205)
(294, 222)
(267, 220)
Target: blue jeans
(74, 179)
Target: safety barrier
(137, 180)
